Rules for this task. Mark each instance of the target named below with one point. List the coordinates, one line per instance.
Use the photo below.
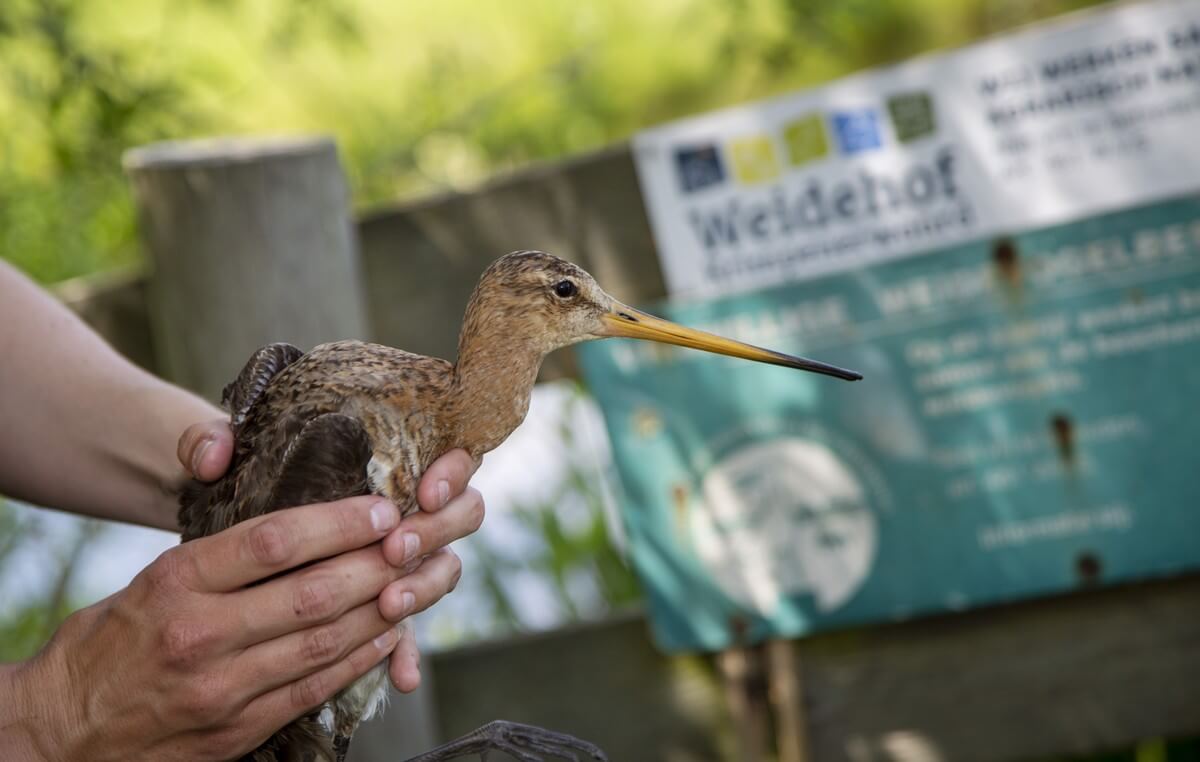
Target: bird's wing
(245, 390)
(326, 461)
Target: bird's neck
(493, 381)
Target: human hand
(195, 660)
(206, 449)
(222, 640)
(449, 511)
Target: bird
(352, 418)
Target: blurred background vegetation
(421, 97)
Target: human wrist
(31, 727)
(170, 410)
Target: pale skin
(192, 660)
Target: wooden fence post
(251, 241)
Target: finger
(315, 595)
(205, 449)
(422, 533)
(287, 702)
(413, 593)
(445, 479)
(404, 665)
(266, 666)
(266, 545)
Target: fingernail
(198, 456)
(387, 639)
(443, 488)
(407, 601)
(384, 516)
(412, 543)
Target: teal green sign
(1027, 426)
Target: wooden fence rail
(1095, 671)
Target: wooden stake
(252, 242)
(787, 701)
(740, 672)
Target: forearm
(84, 429)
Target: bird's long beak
(623, 320)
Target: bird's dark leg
(525, 742)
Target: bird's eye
(565, 289)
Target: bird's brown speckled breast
(400, 399)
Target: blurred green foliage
(26, 624)
(420, 96)
(24, 631)
(571, 522)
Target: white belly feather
(368, 695)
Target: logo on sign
(785, 517)
(805, 140)
(857, 130)
(754, 159)
(912, 116)
(699, 167)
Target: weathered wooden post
(252, 241)
(785, 691)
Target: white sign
(1081, 116)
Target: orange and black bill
(628, 322)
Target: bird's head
(547, 302)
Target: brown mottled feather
(348, 378)
(326, 462)
(241, 395)
(304, 740)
